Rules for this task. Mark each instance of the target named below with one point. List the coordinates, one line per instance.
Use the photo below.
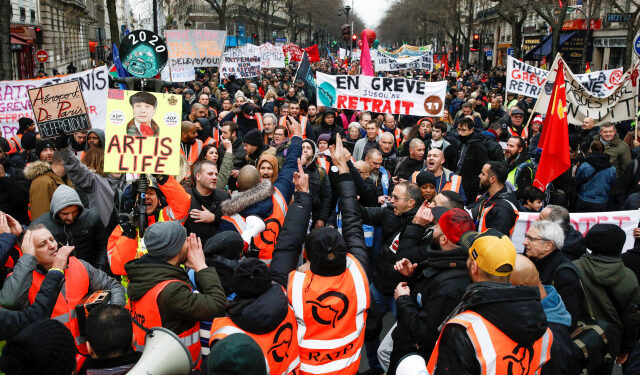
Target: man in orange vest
(445, 179)
(499, 328)
(294, 111)
(25, 125)
(160, 292)
(40, 251)
(190, 145)
(497, 207)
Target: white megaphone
(412, 364)
(163, 354)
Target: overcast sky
(371, 11)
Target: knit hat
(236, 354)
(24, 123)
(425, 177)
(251, 278)
(254, 138)
(143, 97)
(605, 239)
(228, 244)
(28, 141)
(537, 119)
(453, 222)
(491, 250)
(44, 347)
(326, 251)
(324, 137)
(164, 240)
(43, 144)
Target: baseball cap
(517, 111)
(454, 223)
(490, 250)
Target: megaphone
(412, 364)
(163, 354)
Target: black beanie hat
(228, 244)
(254, 138)
(44, 347)
(28, 141)
(42, 144)
(251, 278)
(605, 239)
(4, 145)
(24, 123)
(425, 177)
(327, 251)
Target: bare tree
(220, 7)
(632, 24)
(590, 9)
(515, 13)
(6, 69)
(554, 16)
(113, 22)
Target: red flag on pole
(554, 139)
(312, 53)
(458, 72)
(365, 57)
(587, 68)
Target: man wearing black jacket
(497, 207)
(472, 157)
(205, 212)
(435, 288)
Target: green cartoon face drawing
(327, 94)
(143, 53)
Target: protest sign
(620, 105)
(355, 55)
(15, 103)
(143, 53)
(382, 95)
(143, 132)
(294, 52)
(384, 62)
(342, 53)
(271, 56)
(582, 222)
(195, 48)
(527, 80)
(59, 109)
(242, 62)
(406, 51)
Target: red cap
(454, 223)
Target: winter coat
(86, 233)
(604, 278)
(15, 292)
(43, 183)
(565, 280)
(14, 191)
(630, 258)
(514, 310)
(437, 287)
(320, 190)
(595, 178)
(619, 153)
(473, 157)
(573, 247)
(226, 166)
(178, 303)
(112, 366)
(562, 348)
(362, 146)
(502, 216)
(407, 166)
(211, 203)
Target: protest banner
(271, 56)
(242, 62)
(15, 103)
(582, 222)
(620, 105)
(406, 51)
(59, 109)
(196, 48)
(143, 132)
(143, 54)
(294, 52)
(527, 80)
(384, 62)
(382, 95)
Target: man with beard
(520, 166)
(190, 145)
(312, 116)
(473, 157)
(379, 175)
(435, 286)
(269, 121)
(496, 208)
(78, 141)
(294, 111)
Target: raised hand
(195, 254)
(62, 256)
(27, 245)
(301, 179)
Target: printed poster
(143, 132)
(59, 109)
(242, 62)
(271, 56)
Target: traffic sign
(489, 53)
(636, 44)
(510, 51)
(42, 55)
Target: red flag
(312, 53)
(458, 68)
(587, 68)
(365, 57)
(446, 67)
(554, 139)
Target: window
(23, 14)
(33, 15)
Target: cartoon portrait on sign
(144, 107)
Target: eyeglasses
(397, 198)
(532, 239)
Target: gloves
(61, 142)
(128, 230)
(161, 178)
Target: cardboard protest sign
(385, 62)
(15, 102)
(143, 53)
(527, 80)
(381, 95)
(620, 105)
(143, 132)
(196, 48)
(271, 56)
(59, 109)
(582, 222)
(242, 62)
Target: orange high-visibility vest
(324, 163)
(15, 144)
(265, 241)
(496, 352)
(482, 221)
(215, 139)
(280, 346)
(75, 288)
(453, 184)
(146, 312)
(524, 133)
(303, 125)
(331, 314)
(196, 148)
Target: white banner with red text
(582, 222)
(381, 95)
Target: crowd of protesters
(402, 215)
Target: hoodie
(86, 232)
(271, 160)
(595, 178)
(100, 134)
